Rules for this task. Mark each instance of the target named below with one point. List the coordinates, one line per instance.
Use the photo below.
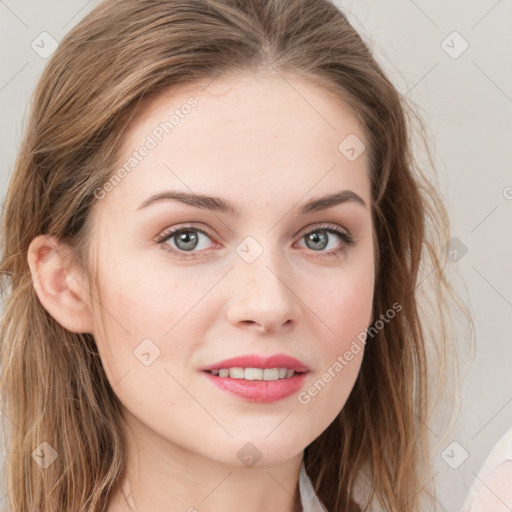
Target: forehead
(243, 134)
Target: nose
(263, 298)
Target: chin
(260, 451)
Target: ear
(59, 282)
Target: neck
(163, 477)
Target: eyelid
(321, 225)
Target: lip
(257, 361)
(261, 391)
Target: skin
(269, 145)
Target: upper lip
(257, 361)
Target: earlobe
(59, 283)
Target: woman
(273, 356)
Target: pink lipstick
(257, 378)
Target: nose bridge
(262, 292)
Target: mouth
(252, 374)
(258, 379)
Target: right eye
(185, 239)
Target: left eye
(188, 239)
(319, 239)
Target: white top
(308, 498)
(491, 490)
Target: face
(187, 284)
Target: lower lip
(262, 391)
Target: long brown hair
(53, 387)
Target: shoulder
(491, 490)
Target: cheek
(344, 311)
(348, 315)
(143, 341)
(344, 305)
(149, 299)
(149, 313)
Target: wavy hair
(53, 387)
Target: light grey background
(466, 101)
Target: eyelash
(347, 240)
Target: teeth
(237, 373)
(271, 374)
(255, 373)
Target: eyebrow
(218, 204)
